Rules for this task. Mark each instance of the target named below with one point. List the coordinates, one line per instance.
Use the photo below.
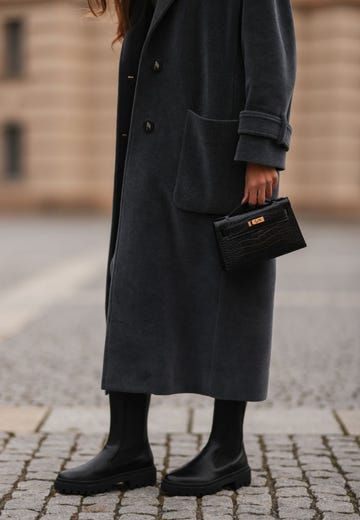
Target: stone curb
(180, 419)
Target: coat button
(156, 66)
(148, 126)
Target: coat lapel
(160, 9)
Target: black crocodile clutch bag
(257, 233)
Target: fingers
(245, 198)
(261, 193)
(269, 190)
(275, 178)
(260, 182)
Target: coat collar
(161, 8)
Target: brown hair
(122, 9)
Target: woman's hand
(260, 181)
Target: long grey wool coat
(205, 86)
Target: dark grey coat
(204, 87)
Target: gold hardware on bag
(255, 221)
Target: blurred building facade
(323, 167)
(57, 105)
(58, 79)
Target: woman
(205, 88)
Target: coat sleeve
(269, 54)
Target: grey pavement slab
(316, 335)
(96, 419)
(177, 419)
(277, 420)
(44, 240)
(351, 420)
(23, 419)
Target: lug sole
(233, 480)
(134, 479)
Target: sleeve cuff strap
(252, 122)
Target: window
(13, 144)
(14, 47)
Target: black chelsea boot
(126, 456)
(222, 461)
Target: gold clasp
(256, 221)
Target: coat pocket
(208, 179)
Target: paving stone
(13, 457)
(293, 491)
(4, 489)
(183, 450)
(220, 515)
(295, 513)
(129, 517)
(148, 501)
(23, 419)
(96, 516)
(264, 499)
(251, 508)
(96, 419)
(295, 420)
(287, 482)
(334, 505)
(66, 500)
(324, 475)
(300, 502)
(147, 492)
(179, 504)
(19, 514)
(7, 479)
(216, 509)
(249, 491)
(11, 468)
(178, 515)
(42, 475)
(24, 503)
(56, 516)
(77, 419)
(340, 516)
(327, 488)
(99, 508)
(218, 501)
(30, 494)
(351, 420)
(139, 508)
(355, 488)
(102, 503)
(250, 516)
(58, 509)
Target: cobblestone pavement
(294, 477)
(303, 443)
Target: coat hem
(213, 394)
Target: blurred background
(58, 86)
(57, 99)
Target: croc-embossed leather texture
(253, 235)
